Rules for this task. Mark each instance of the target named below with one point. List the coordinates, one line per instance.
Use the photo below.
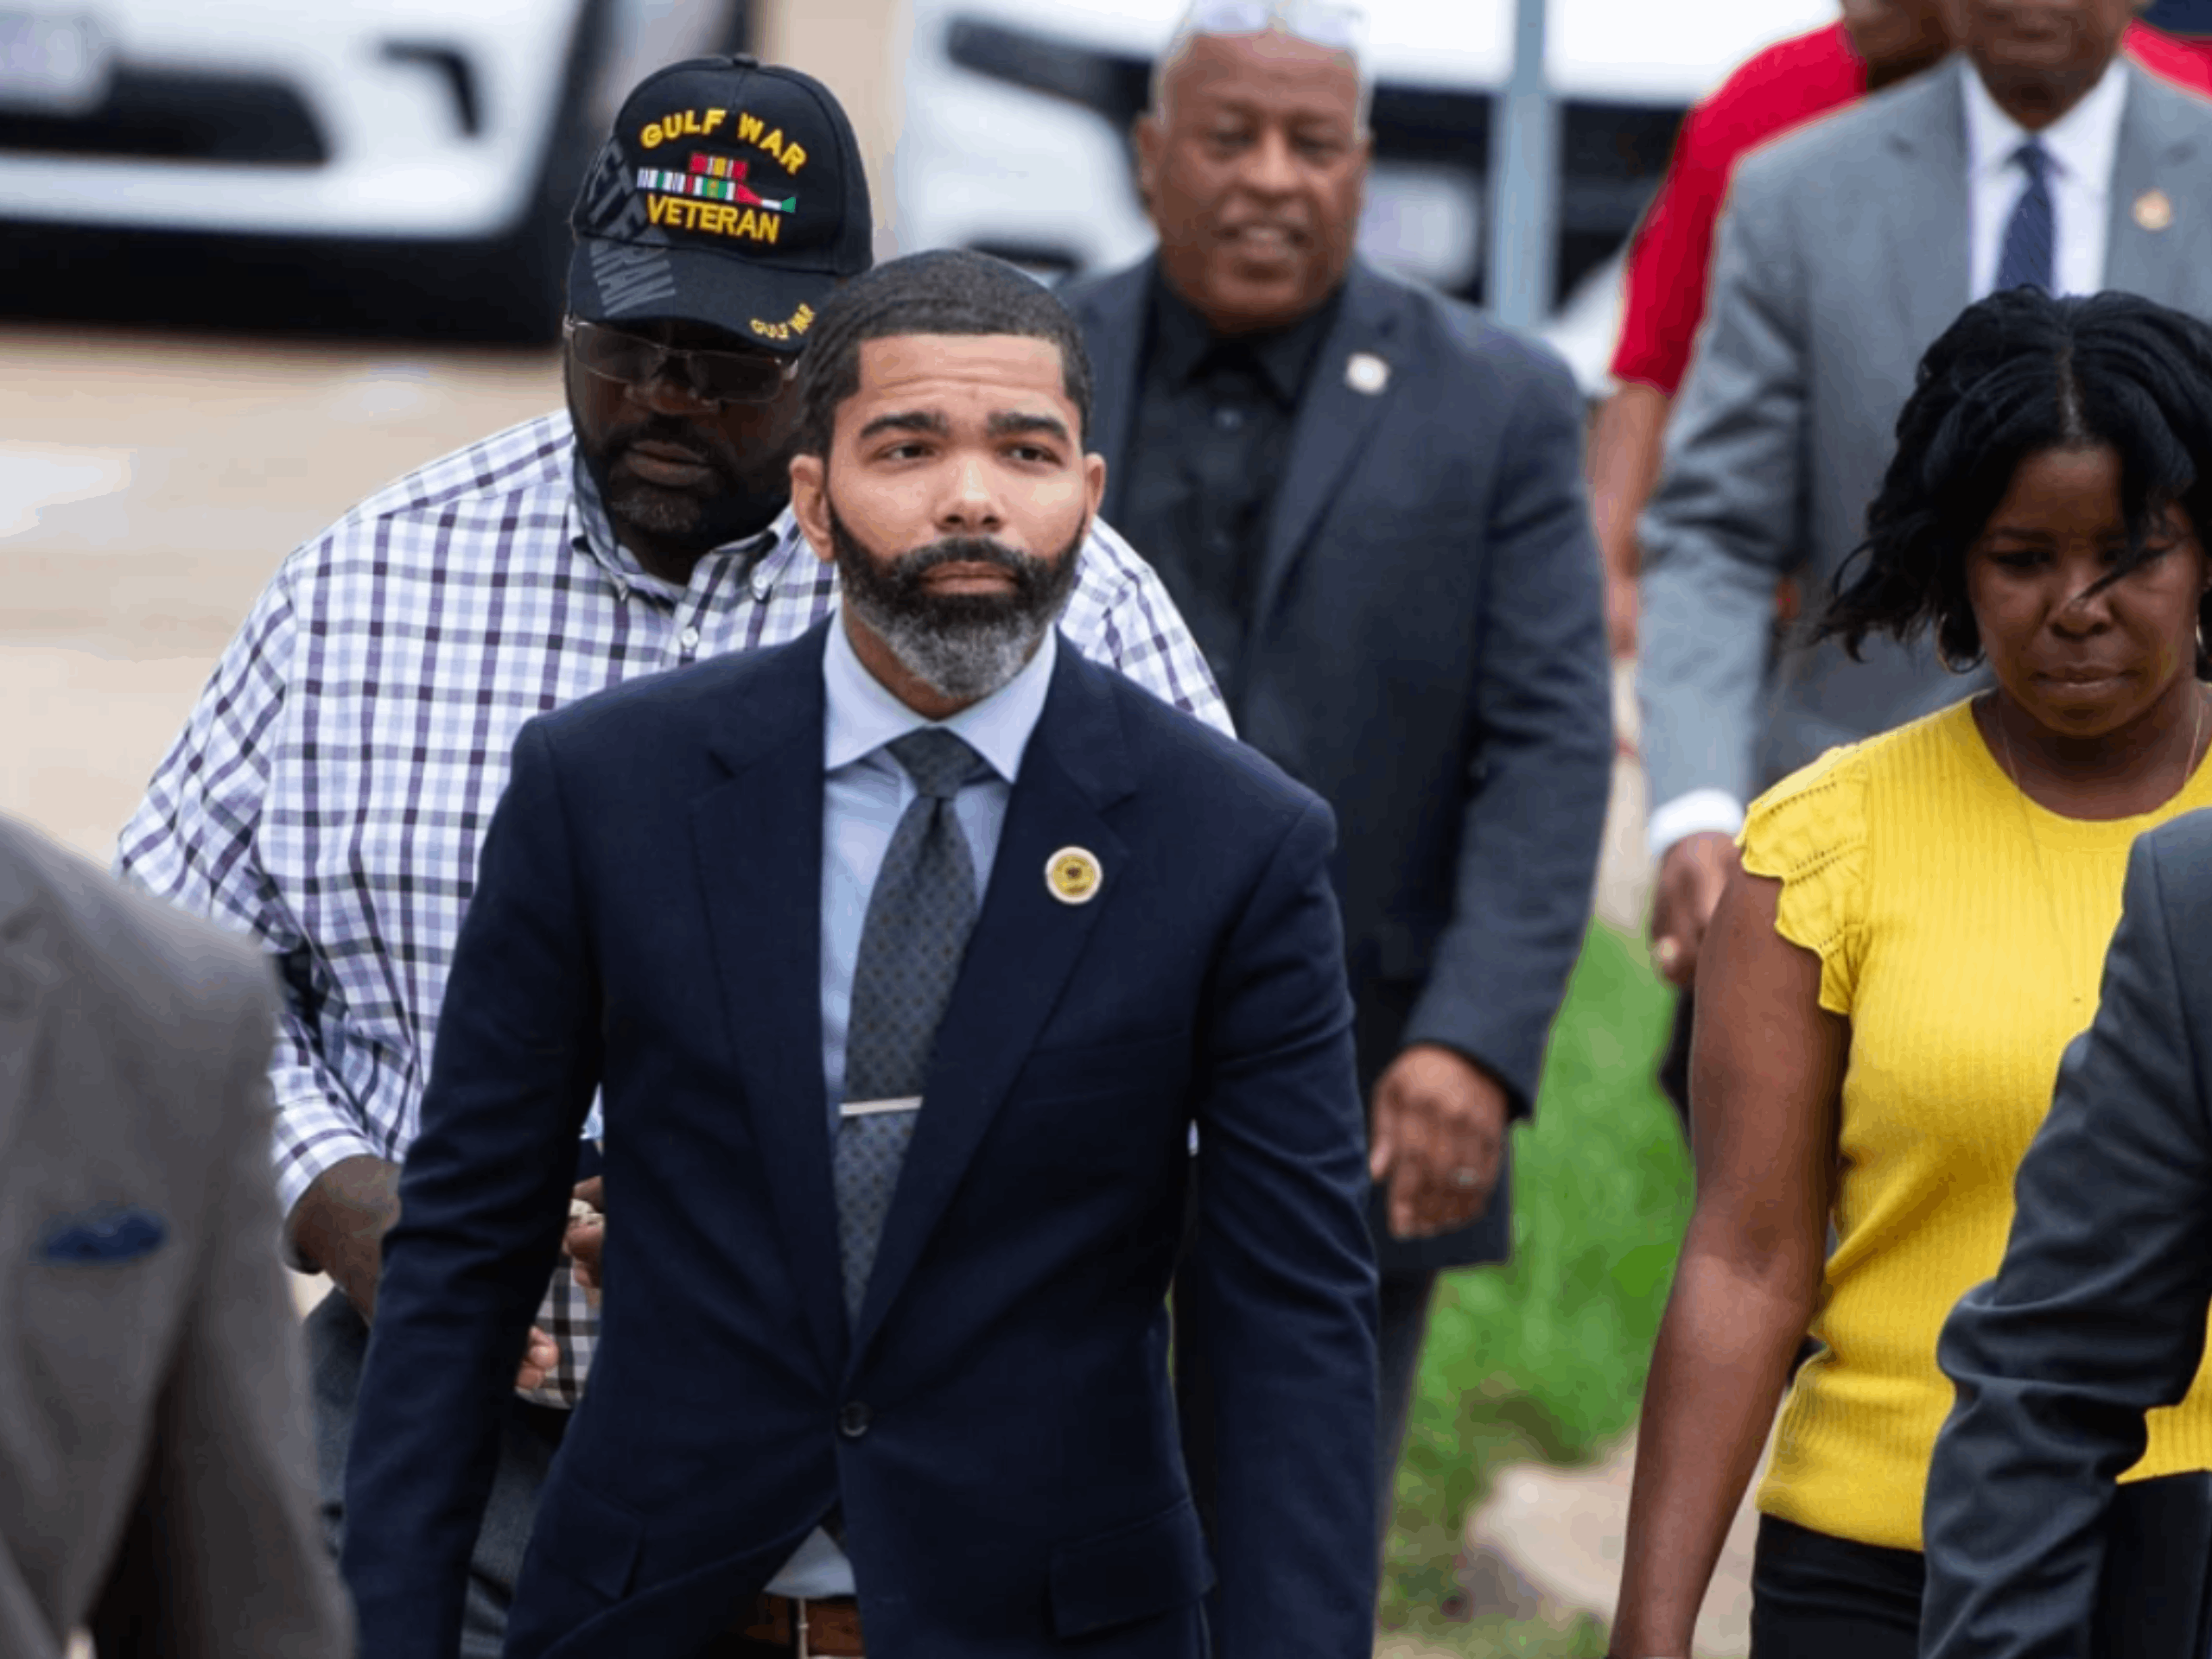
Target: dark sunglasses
(717, 377)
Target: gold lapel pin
(2154, 210)
(1366, 373)
(1073, 875)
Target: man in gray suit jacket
(1367, 502)
(1847, 248)
(2098, 1313)
(156, 1475)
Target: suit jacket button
(853, 1420)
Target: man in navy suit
(908, 957)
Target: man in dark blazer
(1367, 502)
(2097, 1314)
(892, 1374)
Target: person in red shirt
(1876, 44)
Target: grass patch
(1545, 1357)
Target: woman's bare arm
(1766, 1071)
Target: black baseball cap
(731, 193)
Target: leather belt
(808, 1629)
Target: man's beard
(740, 502)
(963, 646)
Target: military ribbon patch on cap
(714, 178)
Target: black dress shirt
(1213, 426)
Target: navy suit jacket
(1426, 651)
(998, 1428)
(2097, 1314)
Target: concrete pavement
(150, 485)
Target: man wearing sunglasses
(681, 431)
(329, 793)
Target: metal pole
(1523, 180)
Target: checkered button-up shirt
(330, 791)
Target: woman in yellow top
(1915, 934)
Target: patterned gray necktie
(918, 920)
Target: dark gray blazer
(156, 1475)
(1841, 256)
(2098, 1313)
(1427, 654)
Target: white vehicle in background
(1017, 115)
(416, 158)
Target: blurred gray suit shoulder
(156, 959)
(1832, 149)
(155, 1467)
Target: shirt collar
(862, 715)
(1182, 340)
(788, 542)
(2084, 143)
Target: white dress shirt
(2083, 144)
(865, 792)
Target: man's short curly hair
(951, 291)
(2018, 374)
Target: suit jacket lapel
(1117, 310)
(757, 841)
(1334, 422)
(1931, 283)
(2162, 259)
(1025, 944)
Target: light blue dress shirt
(864, 793)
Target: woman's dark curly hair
(2020, 373)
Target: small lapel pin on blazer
(1366, 373)
(2154, 210)
(1073, 875)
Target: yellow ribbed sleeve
(1809, 832)
(1962, 930)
